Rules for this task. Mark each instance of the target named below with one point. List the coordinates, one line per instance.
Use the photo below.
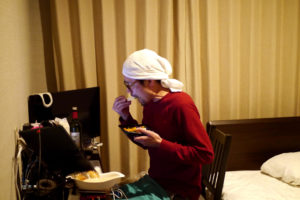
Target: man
(176, 140)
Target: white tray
(104, 183)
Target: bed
(264, 158)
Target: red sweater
(177, 164)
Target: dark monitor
(56, 148)
(87, 100)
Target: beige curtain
(237, 58)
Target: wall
(22, 73)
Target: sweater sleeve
(195, 145)
(130, 122)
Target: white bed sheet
(253, 185)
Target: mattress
(254, 185)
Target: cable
(17, 170)
(18, 164)
(29, 168)
(39, 157)
(118, 193)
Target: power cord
(21, 145)
(118, 193)
(39, 157)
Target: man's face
(137, 90)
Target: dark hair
(142, 81)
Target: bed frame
(256, 140)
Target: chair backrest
(214, 173)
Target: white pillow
(285, 166)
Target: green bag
(145, 189)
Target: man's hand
(151, 139)
(121, 106)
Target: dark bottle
(75, 128)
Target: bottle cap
(74, 108)
(74, 112)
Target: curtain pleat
(237, 58)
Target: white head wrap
(148, 65)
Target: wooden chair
(213, 174)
